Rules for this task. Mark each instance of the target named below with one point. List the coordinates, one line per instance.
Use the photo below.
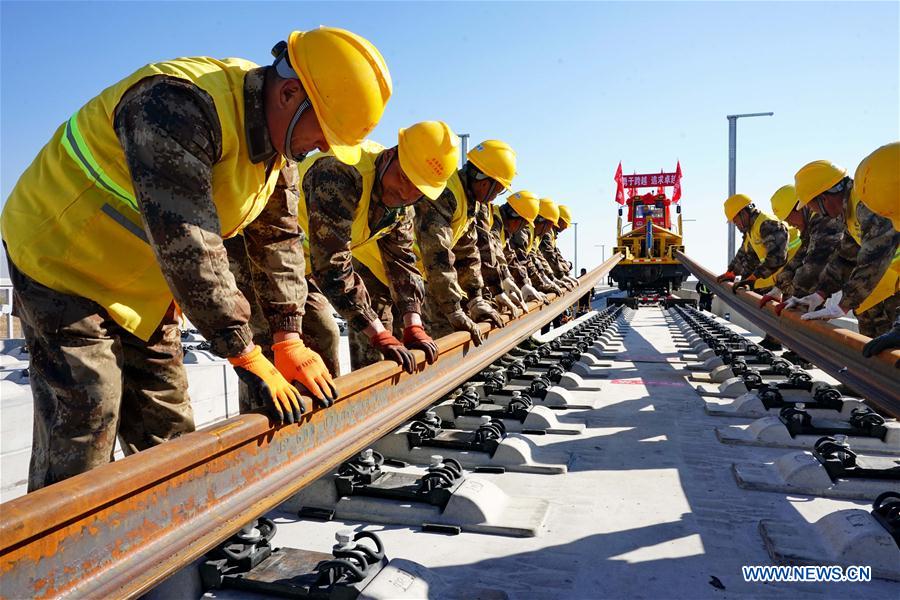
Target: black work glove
(885, 341)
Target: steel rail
(122, 528)
(835, 350)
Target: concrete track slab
(649, 507)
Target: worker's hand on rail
(460, 322)
(550, 287)
(482, 312)
(773, 295)
(415, 337)
(787, 304)
(569, 283)
(743, 283)
(301, 365)
(531, 293)
(504, 302)
(813, 301)
(831, 310)
(726, 276)
(572, 280)
(391, 348)
(266, 383)
(509, 286)
(885, 341)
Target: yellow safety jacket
(363, 241)
(72, 222)
(890, 281)
(459, 224)
(461, 221)
(532, 239)
(754, 239)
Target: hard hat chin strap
(288, 150)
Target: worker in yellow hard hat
(522, 247)
(359, 224)
(545, 225)
(859, 275)
(497, 272)
(457, 295)
(877, 184)
(117, 227)
(764, 249)
(783, 202)
(550, 253)
(818, 236)
(516, 218)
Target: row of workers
(185, 188)
(831, 247)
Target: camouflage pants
(361, 352)
(92, 380)
(320, 330)
(880, 318)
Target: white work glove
(549, 286)
(831, 310)
(482, 312)
(572, 280)
(564, 282)
(505, 303)
(813, 301)
(531, 293)
(509, 286)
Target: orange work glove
(267, 383)
(301, 365)
(726, 276)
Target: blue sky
(573, 87)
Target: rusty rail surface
(124, 527)
(835, 350)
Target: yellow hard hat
(429, 153)
(525, 204)
(783, 201)
(564, 214)
(496, 160)
(347, 82)
(735, 204)
(877, 182)
(816, 177)
(549, 210)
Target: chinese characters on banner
(649, 180)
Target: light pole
(463, 147)
(602, 251)
(575, 267)
(732, 157)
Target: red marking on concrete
(639, 381)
